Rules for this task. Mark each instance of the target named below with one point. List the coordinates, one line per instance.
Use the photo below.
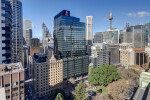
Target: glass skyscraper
(45, 33)
(135, 35)
(27, 31)
(147, 37)
(70, 44)
(17, 31)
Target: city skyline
(129, 12)
(75, 50)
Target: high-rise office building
(12, 78)
(27, 31)
(98, 37)
(35, 47)
(99, 54)
(5, 31)
(47, 40)
(113, 54)
(70, 44)
(109, 36)
(17, 30)
(89, 30)
(25, 61)
(135, 35)
(147, 29)
(45, 33)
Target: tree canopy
(59, 97)
(79, 93)
(103, 75)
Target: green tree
(79, 93)
(103, 75)
(59, 97)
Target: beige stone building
(132, 56)
(12, 82)
(48, 74)
(55, 73)
(126, 54)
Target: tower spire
(110, 18)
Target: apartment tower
(5, 32)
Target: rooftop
(13, 67)
(138, 49)
(40, 57)
(142, 94)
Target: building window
(7, 85)
(7, 97)
(22, 87)
(14, 89)
(7, 91)
(22, 92)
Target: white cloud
(143, 14)
(139, 14)
(132, 14)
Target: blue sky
(124, 11)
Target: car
(91, 93)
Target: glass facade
(147, 37)
(111, 36)
(17, 31)
(27, 31)
(70, 44)
(135, 35)
(45, 33)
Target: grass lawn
(102, 90)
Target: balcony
(7, 9)
(8, 29)
(6, 48)
(6, 41)
(6, 2)
(7, 15)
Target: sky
(133, 12)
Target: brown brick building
(12, 81)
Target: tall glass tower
(135, 35)
(17, 30)
(147, 37)
(45, 33)
(27, 31)
(70, 44)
